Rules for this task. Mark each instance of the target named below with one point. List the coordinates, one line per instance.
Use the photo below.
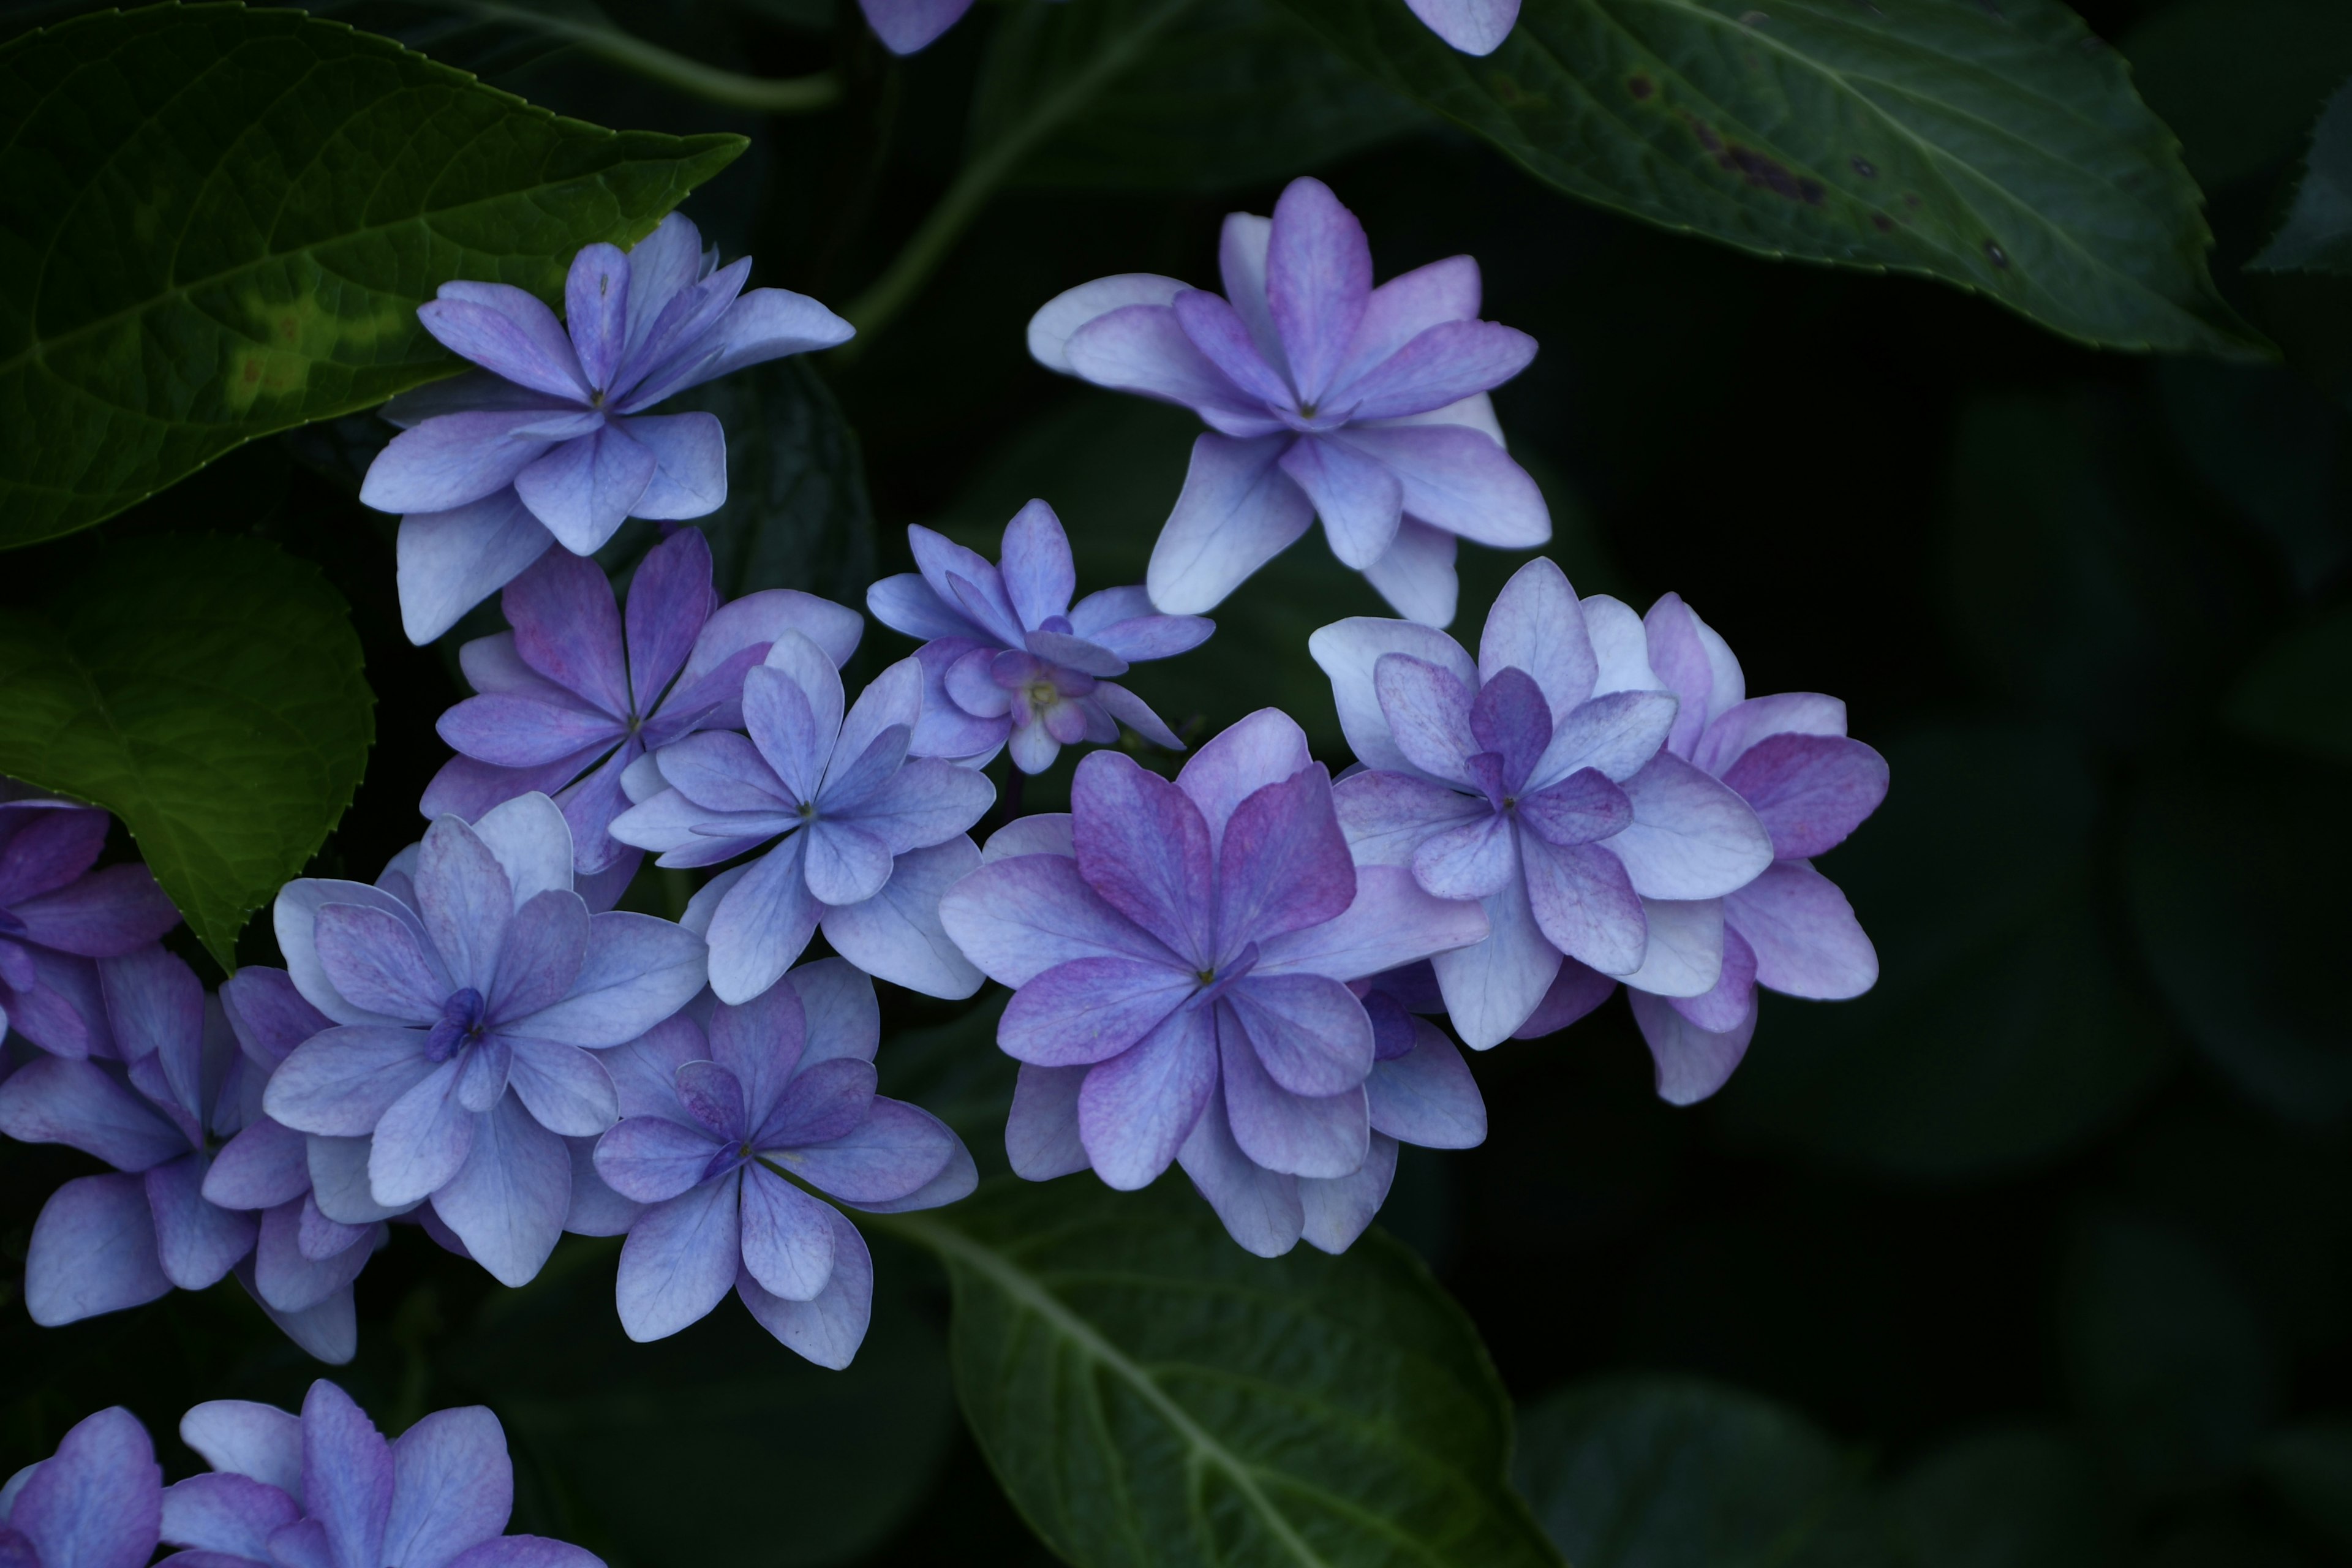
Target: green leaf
(2002, 1499)
(2000, 148)
(2311, 1468)
(2318, 234)
(1149, 1394)
(1675, 1472)
(2000, 1031)
(219, 223)
(1239, 93)
(208, 691)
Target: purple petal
(568, 628)
(1339, 1209)
(680, 347)
(637, 971)
(1806, 938)
(1617, 733)
(269, 1015)
(93, 1250)
(1809, 791)
(1405, 307)
(670, 598)
(509, 334)
(793, 725)
(241, 1437)
(1621, 647)
(690, 453)
(1260, 1208)
(1787, 714)
(1089, 1010)
(106, 914)
(828, 1330)
(1305, 1135)
(1312, 1035)
(460, 458)
(596, 1209)
(424, 1137)
(1474, 860)
(1457, 480)
(1391, 922)
(1319, 277)
(843, 1019)
(661, 265)
(339, 1181)
(1136, 1110)
(1691, 837)
(451, 559)
(652, 1159)
(757, 1045)
(1241, 266)
(721, 772)
(1050, 328)
(597, 318)
(302, 1544)
(525, 732)
(508, 1201)
(1416, 575)
(465, 901)
(827, 1101)
(1388, 816)
(681, 1257)
(263, 1166)
(1223, 338)
(1692, 1064)
(565, 1089)
(1075, 653)
(468, 391)
(1265, 748)
(1046, 833)
(453, 1486)
(1018, 917)
(897, 934)
(1360, 501)
(377, 962)
(905, 25)
(1124, 707)
(769, 323)
(1684, 956)
(342, 1081)
(347, 1474)
(924, 802)
(1039, 575)
(585, 489)
(545, 948)
(1143, 349)
(1441, 365)
(1427, 1096)
(907, 603)
(229, 1514)
(757, 620)
(1472, 27)
(761, 924)
(892, 1152)
(1697, 666)
(195, 1243)
(1585, 903)
(1143, 845)
(1041, 1134)
(1351, 651)
(1733, 1000)
(98, 1502)
(1537, 626)
(1237, 511)
(1145, 635)
(787, 1236)
(892, 702)
(1284, 863)
(289, 1280)
(319, 1238)
(58, 1100)
(1578, 809)
(954, 1181)
(1427, 713)
(1577, 992)
(48, 849)
(532, 844)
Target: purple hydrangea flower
(469, 1001)
(870, 836)
(1180, 954)
(905, 25)
(104, 1243)
(1472, 27)
(325, 1490)
(549, 442)
(712, 1126)
(577, 692)
(1790, 930)
(1009, 657)
(57, 915)
(1324, 397)
(97, 1502)
(1535, 779)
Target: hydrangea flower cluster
(1324, 397)
(1009, 657)
(284, 1491)
(58, 919)
(550, 441)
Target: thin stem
(768, 95)
(914, 265)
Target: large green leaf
(2000, 148)
(216, 223)
(208, 691)
(1149, 1394)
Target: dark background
(2079, 1166)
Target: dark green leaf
(2000, 1031)
(2299, 694)
(2317, 235)
(2311, 1468)
(219, 223)
(1673, 1472)
(208, 691)
(717, 1445)
(2000, 148)
(2004, 1499)
(1238, 93)
(2232, 877)
(1149, 1394)
(2166, 1357)
(2239, 81)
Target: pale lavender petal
(106, 914)
(1143, 845)
(827, 1101)
(1459, 480)
(652, 1159)
(1472, 27)
(756, 620)
(769, 323)
(1050, 328)
(1263, 747)
(1089, 1010)
(1617, 733)
(927, 801)
(583, 490)
(229, 1514)
(347, 1475)
(568, 629)
(318, 1237)
(263, 1166)
(681, 1257)
(791, 705)
(596, 1209)
(1018, 917)
(1537, 626)
(565, 1089)
(1806, 938)
(1260, 1208)
(459, 458)
(453, 1487)
(843, 1018)
(1141, 633)
(1339, 1209)
(545, 947)
(905, 25)
(1237, 511)
(1319, 277)
(1692, 1064)
(1221, 335)
(1392, 922)
(1142, 349)
(1126, 708)
(1416, 575)
(1441, 365)
(1473, 860)
(1427, 713)
(718, 772)
(1284, 863)
(678, 350)
(1621, 645)
(893, 1152)
(907, 603)
(1041, 1134)
(196, 1242)
(526, 1552)
(1694, 662)
(1305, 1135)
(507, 1203)
(98, 1502)
(1040, 577)
(1074, 653)
(241, 1437)
(510, 333)
(1359, 499)
(339, 1181)
(60, 1099)
(899, 935)
(423, 1138)
(1577, 992)
(1135, 1110)
(761, 924)
(289, 1280)
(1427, 1096)
(787, 1236)
(295, 917)
(1312, 1035)
(690, 453)
(1787, 714)
(1406, 306)
(1809, 791)
(1046, 833)
(518, 732)
(844, 865)
(828, 1330)
(1691, 837)
(1733, 999)
(952, 1183)
(465, 901)
(597, 318)
(1388, 816)
(637, 971)
(1350, 652)
(1585, 905)
(450, 560)
(1684, 956)
(1578, 809)
(376, 962)
(92, 1251)
(1241, 265)
(892, 702)
(339, 1082)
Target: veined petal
(1237, 511)
(1143, 845)
(1691, 837)
(1492, 988)
(1310, 1033)
(451, 561)
(1538, 626)
(1387, 816)
(1359, 499)
(586, 488)
(1065, 313)
(690, 453)
(1318, 278)
(1142, 349)
(1019, 916)
(458, 459)
(1457, 478)
(1684, 956)
(1692, 1063)
(1426, 711)
(1041, 1134)
(1303, 1135)
(762, 924)
(1282, 864)
(1585, 904)
(1261, 1209)
(1441, 364)
(905, 27)
(1809, 791)
(1392, 922)
(1427, 1097)
(1350, 652)
(681, 1257)
(1136, 1110)
(1415, 574)
(1406, 306)
(1089, 1010)
(1260, 748)
(1804, 934)
(898, 935)
(509, 332)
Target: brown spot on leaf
(1883, 223)
(1641, 86)
(1757, 168)
(1996, 256)
(1865, 167)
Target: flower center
(460, 1026)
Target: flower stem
(768, 95)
